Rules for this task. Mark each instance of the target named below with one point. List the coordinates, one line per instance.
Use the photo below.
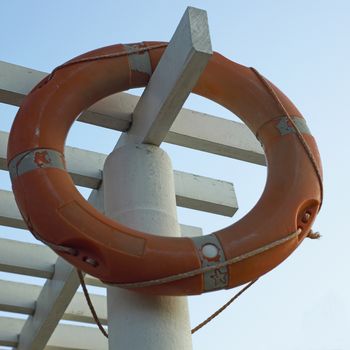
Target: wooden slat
(163, 98)
(215, 135)
(26, 258)
(190, 231)
(192, 192)
(30, 259)
(67, 337)
(21, 298)
(9, 213)
(51, 304)
(190, 129)
(9, 330)
(17, 81)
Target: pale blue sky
(303, 47)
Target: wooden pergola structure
(58, 299)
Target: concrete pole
(139, 192)
(139, 187)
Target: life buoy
(58, 215)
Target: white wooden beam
(190, 231)
(198, 191)
(9, 330)
(17, 81)
(9, 213)
(21, 298)
(177, 72)
(190, 129)
(37, 260)
(191, 190)
(66, 336)
(215, 135)
(29, 259)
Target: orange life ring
(58, 215)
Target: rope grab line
(311, 235)
(201, 270)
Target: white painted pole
(139, 188)
(139, 192)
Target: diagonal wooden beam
(175, 76)
(215, 135)
(51, 304)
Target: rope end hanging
(222, 308)
(314, 235)
(89, 302)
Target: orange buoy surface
(59, 216)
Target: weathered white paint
(136, 182)
(190, 134)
